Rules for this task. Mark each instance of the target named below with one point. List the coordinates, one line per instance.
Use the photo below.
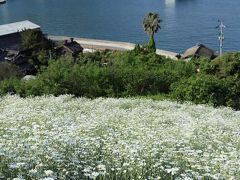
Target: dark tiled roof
(74, 47)
(198, 50)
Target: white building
(10, 37)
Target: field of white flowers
(117, 139)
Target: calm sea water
(185, 22)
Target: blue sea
(185, 22)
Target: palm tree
(151, 25)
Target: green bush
(233, 96)
(227, 65)
(203, 89)
(111, 74)
(34, 38)
(10, 86)
(8, 70)
(134, 73)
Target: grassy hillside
(78, 138)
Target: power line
(221, 37)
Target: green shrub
(113, 74)
(8, 70)
(203, 89)
(227, 65)
(233, 96)
(10, 86)
(133, 73)
(34, 38)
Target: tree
(34, 39)
(36, 47)
(151, 25)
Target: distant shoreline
(97, 44)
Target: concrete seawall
(111, 45)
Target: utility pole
(221, 26)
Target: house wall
(10, 41)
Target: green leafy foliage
(37, 47)
(217, 82)
(233, 96)
(10, 86)
(34, 38)
(111, 74)
(227, 65)
(151, 44)
(135, 73)
(203, 89)
(151, 25)
(8, 70)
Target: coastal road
(111, 45)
